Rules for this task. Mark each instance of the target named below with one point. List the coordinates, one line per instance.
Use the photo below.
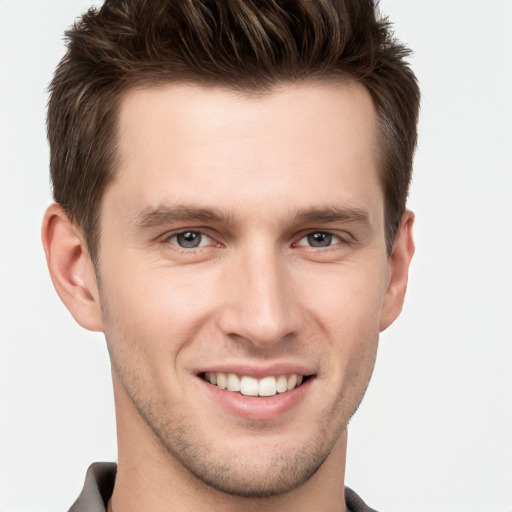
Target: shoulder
(355, 503)
(98, 487)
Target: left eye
(318, 239)
(190, 239)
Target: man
(230, 182)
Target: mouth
(251, 386)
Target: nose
(260, 307)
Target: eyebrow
(332, 214)
(153, 216)
(160, 215)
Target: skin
(254, 177)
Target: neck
(150, 478)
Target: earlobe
(71, 268)
(399, 262)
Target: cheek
(153, 314)
(347, 314)
(155, 296)
(347, 299)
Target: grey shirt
(101, 476)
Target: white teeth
(250, 386)
(282, 384)
(292, 381)
(233, 383)
(267, 386)
(221, 380)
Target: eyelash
(330, 237)
(172, 239)
(174, 236)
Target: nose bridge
(261, 307)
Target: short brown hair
(250, 45)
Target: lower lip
(258, 408)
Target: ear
(398, 262)
(71, 268)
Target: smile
(251, 386)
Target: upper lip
(258, 370)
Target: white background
(435, 430)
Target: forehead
(338, 112)
(298, 145)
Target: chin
(255, 478)
(259, 471)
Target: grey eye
(319, 239)
(188, 239)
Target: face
(242, 247)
